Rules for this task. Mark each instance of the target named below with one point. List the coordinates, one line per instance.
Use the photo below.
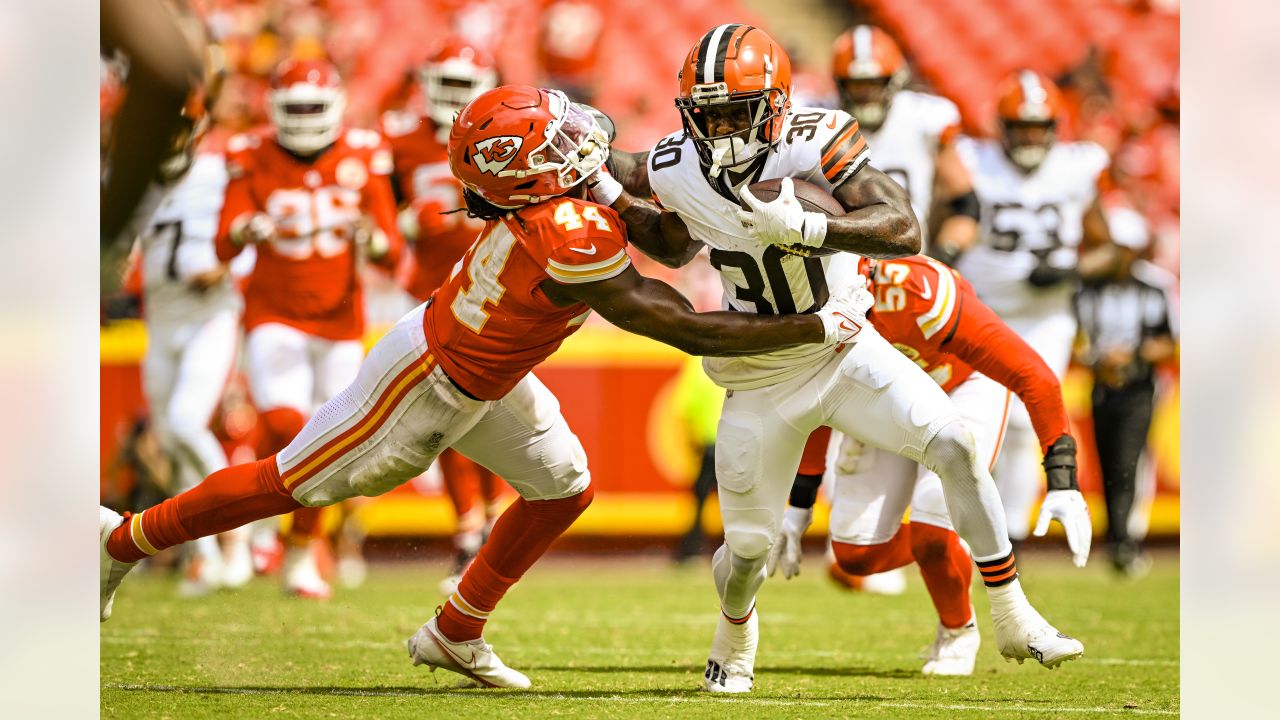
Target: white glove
(845, 313)
(1068, 507)
(786, 549)
(782, 220)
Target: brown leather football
(812, 198)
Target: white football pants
(402, 411)
(872, 488)
(288, 368)
(871, 392)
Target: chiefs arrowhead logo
(494, 154)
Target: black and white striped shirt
(1122, 314)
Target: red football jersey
(933, 316)
(422, 172)
(490, 323)
(306, 277)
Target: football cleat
(1021, 633)
(110, 571)
(731, 664)
(473, 659)
(237, 569)
(302, 577)
(953, 652)
(890, 582)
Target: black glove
(1060, 464)
(1047, 272)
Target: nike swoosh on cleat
(591, 251)
(465, 670)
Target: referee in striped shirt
(1128, 319)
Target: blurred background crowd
(644, 424)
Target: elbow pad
(966, 204)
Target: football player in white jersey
(192, 313)
(740, 128)
(1041, 230)
(913, 134)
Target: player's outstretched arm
(878, 220)
(654, 309)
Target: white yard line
(697, 699)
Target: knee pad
(749, 535)
(952, 449)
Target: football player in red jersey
(933, 316)
(454, 74)
(307, 193)
(456, 371)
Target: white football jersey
(1025, 216)
(176, 234)
(907, 144)
(824, 147)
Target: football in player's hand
(812, 198)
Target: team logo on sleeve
(494, 154)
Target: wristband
(605, 190)
(813, 232)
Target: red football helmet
(1028, 110)
(869, 69)
(735, 90)
(307, 101)
(455, 73)
(518, 145)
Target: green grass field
(626, 636)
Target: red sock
(522, 535)
(946, 569)
(280, 426)
(872, 559)
(461, 480)
(225, 500)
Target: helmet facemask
(868, 98)
(450, 85)
(308, 118)
(1028, 143)
(752, 115)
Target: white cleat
(731, 664)
(473, 659)
(1021, 633)
(953, 652)
(110, 571)
(891, 582)
(302, 577)
(237, 568)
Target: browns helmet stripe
(714, 49)
(862, 44)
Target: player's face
(726, 118)
(1027, 143)
(867, 99)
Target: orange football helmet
(868, 68)
(518, 145)
(735, 90)
(455, 73)
(1028, 109)
(306, 101)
